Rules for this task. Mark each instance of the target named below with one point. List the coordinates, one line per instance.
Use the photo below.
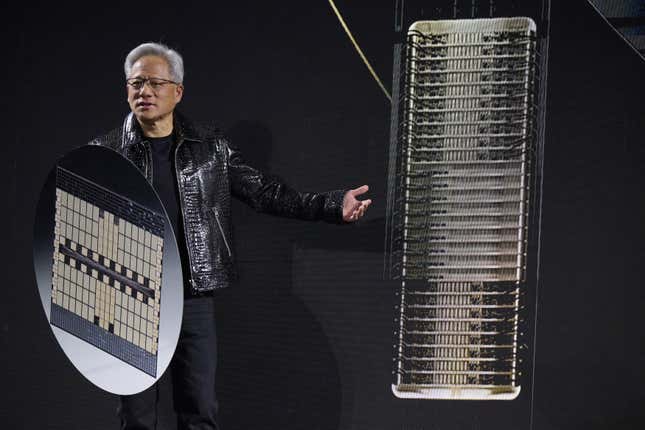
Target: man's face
(152, 104)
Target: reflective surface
(106, 249)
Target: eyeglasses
(155, 83)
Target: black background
(305, 338)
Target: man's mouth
(144, 104)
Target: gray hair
(172, 57)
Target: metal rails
(466, 134)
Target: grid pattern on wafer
(106, 275)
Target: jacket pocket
(221, 230)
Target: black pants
(193, 376)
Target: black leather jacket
(209, 170)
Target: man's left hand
(354, 209)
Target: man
(195, 172)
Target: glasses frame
(156, 86)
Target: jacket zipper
(146, 146)
(221, 230)
(183, 219)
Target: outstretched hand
(354, 209)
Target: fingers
(360, 190)
(363, 207)
(356, 214)
(359, 210)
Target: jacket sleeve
(268, 194)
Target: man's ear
(179, 92)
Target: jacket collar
(182, 128)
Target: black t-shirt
(163, 176)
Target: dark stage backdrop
(305, 338)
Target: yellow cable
(360, 52)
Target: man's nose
(146, 89)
